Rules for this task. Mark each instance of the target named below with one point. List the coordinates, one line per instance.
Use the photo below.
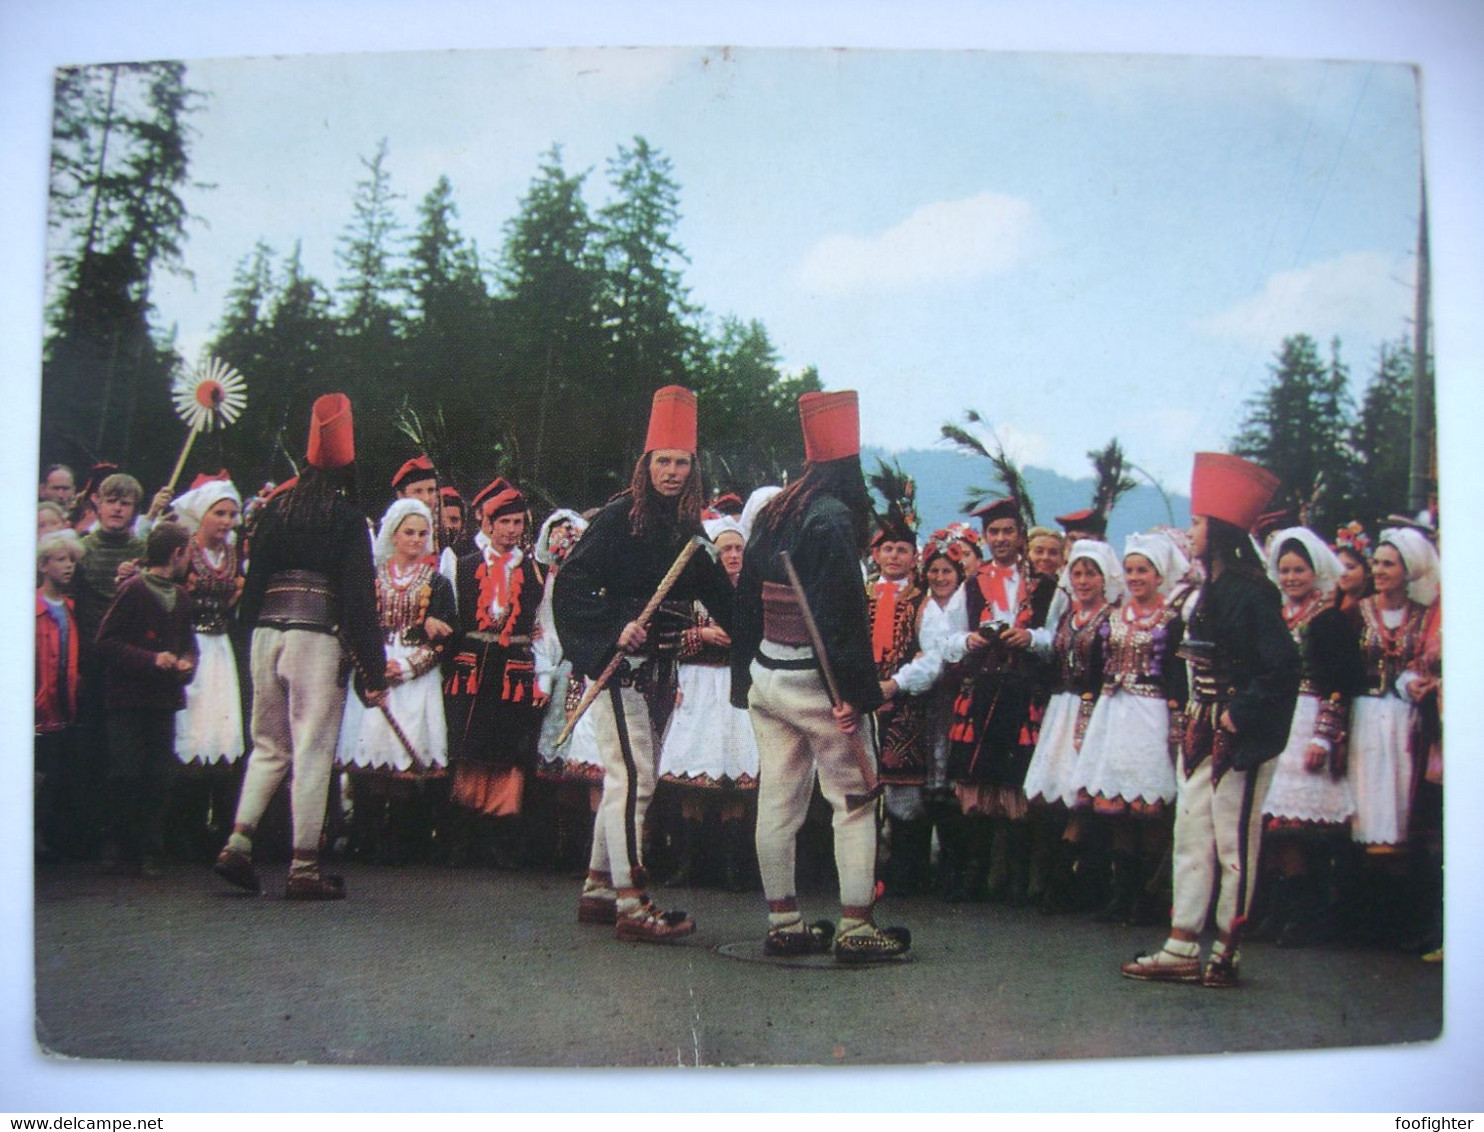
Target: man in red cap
(992, 737)
(1244, 670)
(822, 520)
(604, 584)
(310, 594)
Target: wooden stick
(184, 452)
(666, 584)
(864, 762)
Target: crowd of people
(1235, 727)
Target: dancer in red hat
(606, 581)
(1244, 670)
(809, 708)
(310, 593)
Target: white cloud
(1363, 293)
(944, 242)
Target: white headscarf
(191, 506)
(755, 503)
(1101, 555)
(395, 516)
(715, 528)
(560, 515)
(1420, 558)
(1161, 550)
(1327, 565)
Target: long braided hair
(841, 478)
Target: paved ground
(424, 966)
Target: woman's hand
(1315, 758)
(715, 635)
(436, 629)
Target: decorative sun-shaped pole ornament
(211, 396)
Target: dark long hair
(649, 506)
(841, 478)
(309, 503)
(1232, 547)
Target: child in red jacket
(56, 683)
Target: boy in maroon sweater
(148, 648)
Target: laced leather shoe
(649, 924)
(1163, 967)
(870, 944)
(807, 939)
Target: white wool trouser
(626, 743)
(298, 699)
(797, 738)
(1218, 832)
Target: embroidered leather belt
(487, 638)
(299, 599)
(783, 620)
(1134, 688)
(1211, 687)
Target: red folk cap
(332, 438)
(418, 468)
(1087, 519)
(501, 497)
(1230, 488)
(672, 420)
(832, 425)
(203, 479)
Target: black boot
(687, 871)
(1061, 881)
(1123, 888)
(969, 888)
(999, 880)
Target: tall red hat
(417, 468)
(1230, 488)
(832, 425)
(332, 437)
(672, 420)
(501, 497)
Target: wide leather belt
(783, 620)
(488, 638)
(299, 599)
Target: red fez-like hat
(501, 497)
(1006, 507)
(728, 504)
(672, 420)
(832, 425)
(1279, 520)
(418, 468)
(332, 437)
(1088, 519)
(1230, 488)
(450, 495)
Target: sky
(1079, 247)
(1141, 296)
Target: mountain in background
(944, 477)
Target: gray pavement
(430, 967)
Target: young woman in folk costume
(1244, 675)
(1079, 650)
(710, 753)
(415, 610)
(208, 732)
(1310, 802)
(932, 677)
(575, 769)
(606, 582)
(492, 695)
(1124, 773)
(1397, 624)
(993, 731)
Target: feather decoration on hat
(899, 493)
(1012, 482)
(429, 437)
(212, 395)
(1113, 480)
